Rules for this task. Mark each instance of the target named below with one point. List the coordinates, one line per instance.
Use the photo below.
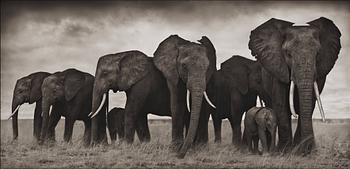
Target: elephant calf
(115, 123)
(260, 123)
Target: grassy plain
(333, 150)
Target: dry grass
(333, 146)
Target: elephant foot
(175, 146)
(238, 145)
(304, 148)
(284, 147)
(264, 154)
(180, 155)
(252, 153)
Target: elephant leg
(113, 135)
(236, 119)
(281, 106)
(268, 140)
(112, 127)
(37, 120)
(120, 130)
(176, 114)
(262, 137)
(142, 129)
(53, 121)
(68, 129)
(230, 119)
(256, 144)
(236, 131)
(136, 99)
(217, 121)
(87, 132)
(250, 142)
(130, 122)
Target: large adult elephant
(145, 87)
(295, 57)
(69, 94)
(28, 90)
(187, 66)
(234, 89)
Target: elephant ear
(36, 82)
(73, 82)
(329, 36)
(165, 57)
(133, 68)
(266, 45)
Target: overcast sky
(54, 36)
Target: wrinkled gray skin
(115, 123)
(186, 66)
(70, 94)
(28, 90)
(234, 90)
(260, 123)
(145, 87)
(303, 54)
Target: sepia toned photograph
(175, 84)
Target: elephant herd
(181, 80)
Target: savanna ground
(333, 150)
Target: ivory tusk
(319, 103)
(14, 112)
(99, 107)
(207, 98)
(261, 102)
(50, 111)
(291, 99)
(188, 100)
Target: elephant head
(191, 63)
(59, 87)
(298, 55)
(245, 75)
(118, 72)
(27, 90)
(266, 120)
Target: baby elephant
(260, 123)
(115, 120)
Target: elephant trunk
(46, 107)
(196, 99)
(14, 115)
(98, 97)
(99, 104)
(305, 88)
